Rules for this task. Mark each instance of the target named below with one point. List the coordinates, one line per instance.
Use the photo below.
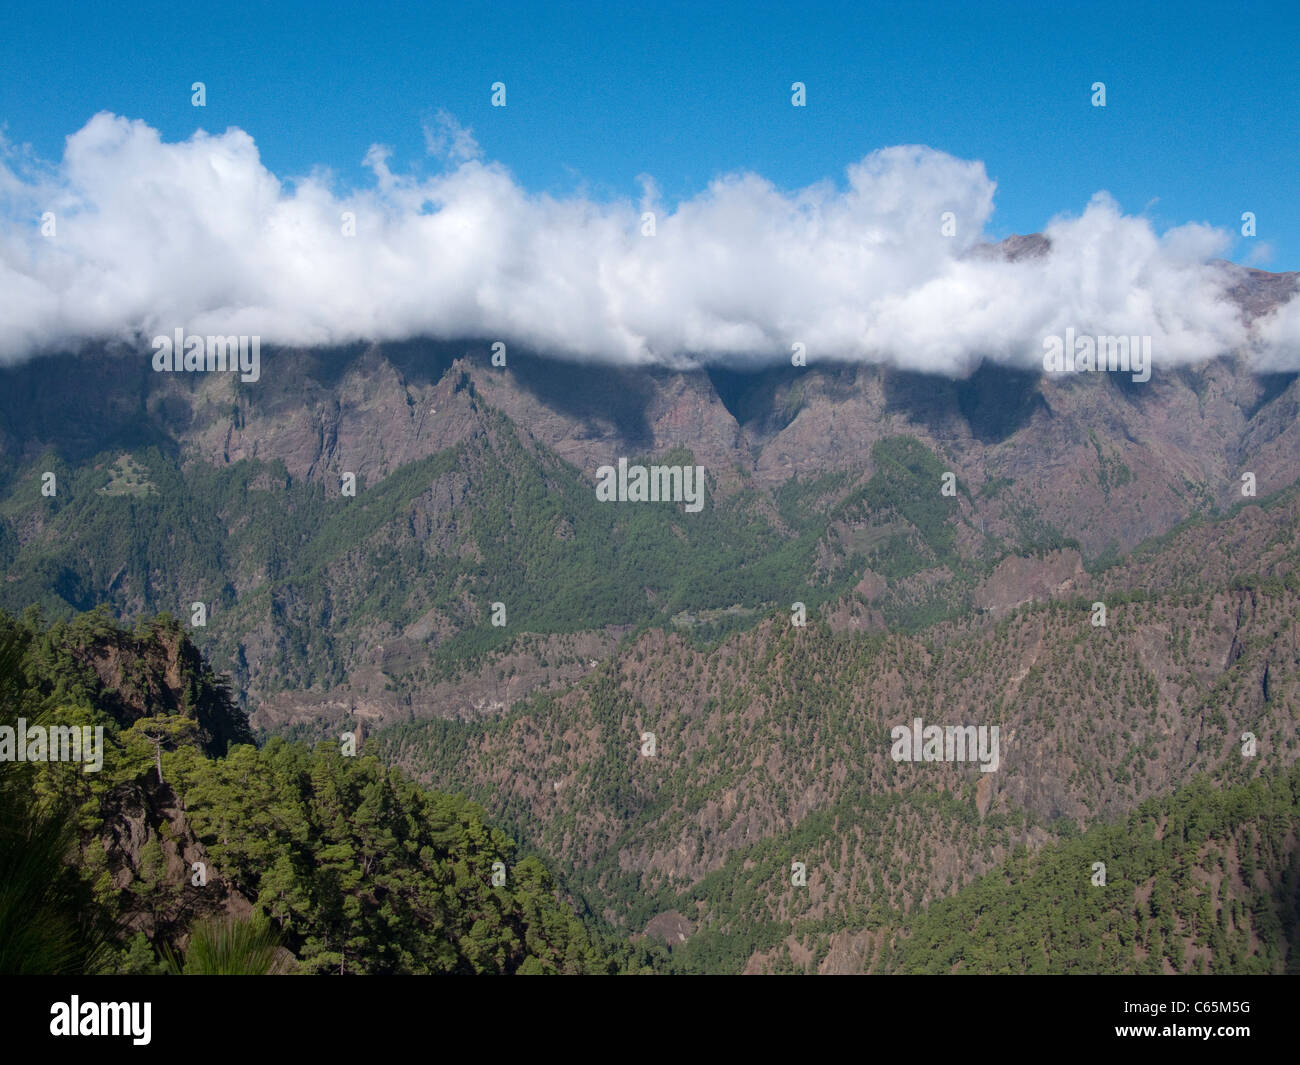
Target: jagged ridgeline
(188, 849)
(300, 585)
(948, 541)
(471, 488)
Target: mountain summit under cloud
(149, 236)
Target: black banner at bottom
(151, 1015)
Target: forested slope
(352, 867)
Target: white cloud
(199, 234)
(1276, 339)
(446, 138)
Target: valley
(478, 484)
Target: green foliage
(907, 480)
(48, 924)
(364, 872)
(228, 947)
(1043, 913)
(527, 531)
(350, 866)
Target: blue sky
(1200, 124)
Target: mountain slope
(775, 746)
(359, 870)
(323, 607)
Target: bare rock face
(319, 420)
(851, 953)
(830, 420)
(671, 928)
(1259, 292)
(592, 416)
(1017, 581)
(152, 816)
(491, 689)
(165, 673)
(1015, 248)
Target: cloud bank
(148, 236)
